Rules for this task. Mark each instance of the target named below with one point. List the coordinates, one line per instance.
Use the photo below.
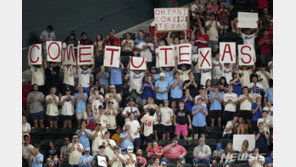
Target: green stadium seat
(35, 142)
(189, 156)
(59, 143)
(168, 142)
(201, 165)
(216, 165)
(161, 143)
(37, 133)
(44, 145)
(243, 165)
(232, 165)
(52, 133)
(187, 165)
(171, 165)
(66, 132)
(211, 142)
(183, 143)
(193, 143)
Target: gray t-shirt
(65, 149)
(36, 106)
(47, 36)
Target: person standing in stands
(51, 76)
(86, 159)
(199, 113)
(212, 30)
(38, 76)
(84, 135)
(35, 100)
(36, 158)
(47, 35)
(68, 81)
(84, 40)
(80, 99)
(161, 89)
(76, 150)
(112, 40)
(116, 77)
(230, 100)
(84, 73)
(265, 42)
(68, 103)
(52, 111)
(182, 121)
(216, 99)
(245, 101)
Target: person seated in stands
(256, 159)
(242, 127)
(202, 153)
(154, 152)
(230, 127)
(218, 154)
(243, 155)
(269, 160)
(174, 152)
(229, 157)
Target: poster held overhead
(35, 55)
(54, 51)
(205, 58)
(246, 54)
(137, 63)
(239, 139)
(184, 53)
(227, 52)
(111, 56)
(166, 56)
(85, 54)
(247, 20)
(68, 55)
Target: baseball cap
(129, 149)
(75, 136)
(153, 67)
(161, 74)
(116, 148)
(101, 146)
(112, 86)
(152, 23)
(163, 163)
(112, 30)
(218, 146)
(28, 138)
(86, 150)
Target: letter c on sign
(59, 50)
(30, 56)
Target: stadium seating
(52, 133)
(66, 132)
(37, 133)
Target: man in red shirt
(112, 40)
(84, 40)
(265, 42)
(201, 39)
(154, 151)
(174, 153)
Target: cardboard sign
(68, 55)
(184, 53)
(166, 56)
(111, 56)
(85, 54)
(35, 55)
(137, 63)
(246, 54)
(247, 20)
(239, 139)
(171, 19)
(205, 58)
(227, 52)
(54, 51)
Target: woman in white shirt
(26, 127)
(98, 45)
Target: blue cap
(163, 163)
(218, 146)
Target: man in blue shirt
(269, 160)
(269, 93)
(127, 138)
(147, 88)
(176, 87)
(103, 77)
(140, 38)
(161, 89)
(257, 109)
(80, 99)
(84, 135)
(37, 158)
(216, 99)
(116, 77)
(199, 113)
(169, 74)
(86, 159)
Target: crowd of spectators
(174, 116)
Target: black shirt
(181, 116)
(193, 91)
(52, 76)
(96, 160)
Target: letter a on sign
(205, 58)
(184, 53)
(227, 52)
(166, 56)
(111, 56)
(246, 54)
(68, 55)
(34, 54)
(137, 63)
(85, 54)
(54, 51)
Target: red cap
(27, 138)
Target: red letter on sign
(32, 61)
(59, 50)
(180, 53)
(165, 54)
(250, 58)
(112, 53)
(132, 63)
(83, 54)
(68, 51)
(227, 51)
(204, 58)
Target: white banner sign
(247, 20)
(85, 54)
(35, 54)
(239, 139)
(68, 55)
(137, 63)
(54, 51)
(171, 19)
(184, 53)
(205, 58)
(227, 52)
(246, 54)
(166, 56)
(111, 56)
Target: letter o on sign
(59, 50)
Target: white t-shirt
(84, 77)
(25, 149)
(194, 7)
(228, 125)
(248, 39)
(270, 70)
(227, 73)
(166, 114)
(135, 125)
(230, 106)
(25, 128)
(245, 105)
(104, 119)
(52, 108)
(212, 31)
(264, 82)
(37, 75)
(126, 156)
(267, 121)
(95, 142)
(117, 162)
(245, 76)
(96, 103)
(68, 107)
(205, 75)
(108, 151)
(257, 159)
(68, 75)
(112, 119)
(75, 155)
(128, 110)
(146, 53)
(115, 102)
(148, 122)
(267, 109)
(256, 91)
(136, 81)
(216, 71)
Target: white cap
(161, 74)
(152, 23)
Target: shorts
(156, 127)
(53, 118)
(246, 114)
(199, 130)
(137, 142)
(149, 139)
(37, 116)
(118, 88)
(81, 115)
(157, 102)
(215, 114)
(67, 117)
(181, 130)
(166, 129)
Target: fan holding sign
(135, 70)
